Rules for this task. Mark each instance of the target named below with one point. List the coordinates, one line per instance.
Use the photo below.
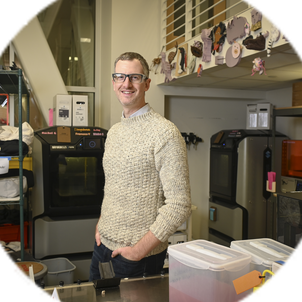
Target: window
(69, 27)
(185, 19)
(175, 22)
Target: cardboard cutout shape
(274, 37)
(196, 49)
(218, 35)
(181, 61)
(259, 65)
(165, 68)
(207, 45)
(236, 29)
(256, 16)
(233, 55)
(256, 44)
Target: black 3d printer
(68, 193)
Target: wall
(39, 66)
(289, 125)
(205, 116)
(201, 111)
(265, 27)
(137, 30)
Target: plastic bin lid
(263, 250)
(203, 254)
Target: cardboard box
(251, 116)
(80, 110)
(259, 116)
(297, 94)
(3, 116)
(62, 110)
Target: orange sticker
(247, 282)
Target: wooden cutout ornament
(259, 66)
(236, 50)
(192, 65)
(219, 60)
(256, 44)
(274, 37)
(207, 45)
(196, 49)
(218, 35)
(166, 68)
(236, 29)
(172, 55)
(156, 62)
(199, 70)
(233, 55)
(256, 16)
(181, 61)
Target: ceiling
(283, 68)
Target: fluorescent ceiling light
(85, 40)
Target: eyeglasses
(134, 78)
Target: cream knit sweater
(146, 182)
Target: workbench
(155, 288)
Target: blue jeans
(124, 268)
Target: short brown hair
(130, 56)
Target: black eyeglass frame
(128, 76)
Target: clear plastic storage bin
(204, 271)
(264, 252)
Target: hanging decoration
(259, 66)
(181, 65)
(256, 44)
(192, 65)
(156, 62)
(199, 70)
(219, 60)
(247, 29)
(172, 55)
(233, 55)
(256, 16)
(218, 35)
(274, 37)
(166, 68)
(236, 29)
(207, 45)
(196, 49)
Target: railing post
(188, 23)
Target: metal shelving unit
(283, 112)
(12, 82)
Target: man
(147, 191)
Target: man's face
(131, 96)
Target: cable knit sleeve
(172, 166)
